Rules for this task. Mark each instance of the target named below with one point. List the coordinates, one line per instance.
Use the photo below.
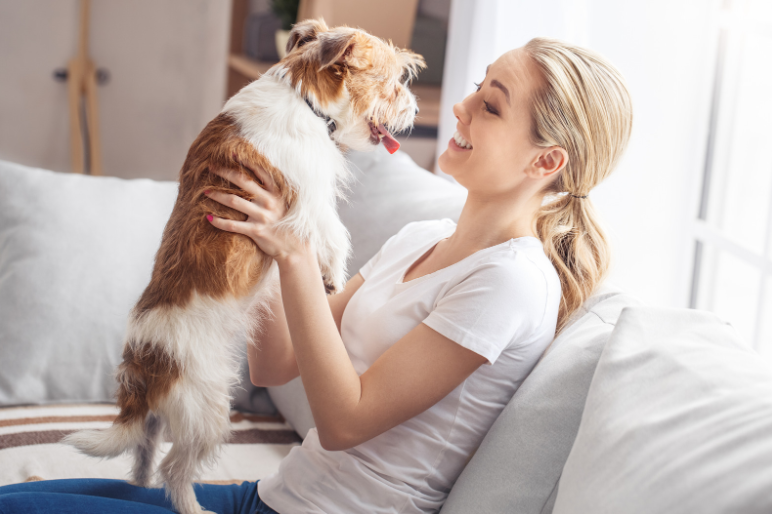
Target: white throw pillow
(678, 419)
(75, 254)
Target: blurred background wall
(689, 208)
(666, 51)
(167, 64)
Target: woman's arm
(271, 357)
(411, 376)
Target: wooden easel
(82, 94)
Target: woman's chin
(443, 162)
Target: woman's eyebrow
(496, 83)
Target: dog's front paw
(329, 285)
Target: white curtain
(666, 51)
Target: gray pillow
(388, 192)
(75, 254)
(518, 464)
(678, 419)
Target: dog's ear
(335, 47)
(305, 32)
(411, 62)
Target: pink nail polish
(209, 217)
(207, 192)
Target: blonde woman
(407, 368)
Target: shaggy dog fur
(208, 285)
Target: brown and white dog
(336, 88)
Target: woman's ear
(550, 161)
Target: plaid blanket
(30, 447)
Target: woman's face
(495, 122)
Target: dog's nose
(416, 110)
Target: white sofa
(632, 409)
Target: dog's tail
(110, 442)
(144, 370)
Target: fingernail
(207, 192)
(209, 217)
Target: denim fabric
(97, 496)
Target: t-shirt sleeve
(495, 305)
(369, 265)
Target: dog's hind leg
(178, 469)
(145, 451)
(198, 423)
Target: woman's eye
(478, 86)
(490, 109)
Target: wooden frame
(82, 87)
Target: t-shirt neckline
(435, 242)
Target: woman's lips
(454, 146)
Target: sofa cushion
(388, 192)
(75, 254)
(678, 419)
(518, 464)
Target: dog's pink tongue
(391, 144)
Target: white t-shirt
(500, 302)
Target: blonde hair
(584, 107)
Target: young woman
(406, 369)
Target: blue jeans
(98, 496)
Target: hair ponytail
(576, 244)
(584, 107)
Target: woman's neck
(487, 221)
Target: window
(732, 274)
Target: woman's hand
(263, 212)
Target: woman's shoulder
(520, 267)
(425, 226)
(512, 286)
(418, 231)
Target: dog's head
(357, 80)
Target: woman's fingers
(237, 203)
(238, 179)
(267, 197)
(239, 227)
(266, 180)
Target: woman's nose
(460, 112)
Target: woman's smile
(457, 142)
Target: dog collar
(331, 126)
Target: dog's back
(206, 287)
